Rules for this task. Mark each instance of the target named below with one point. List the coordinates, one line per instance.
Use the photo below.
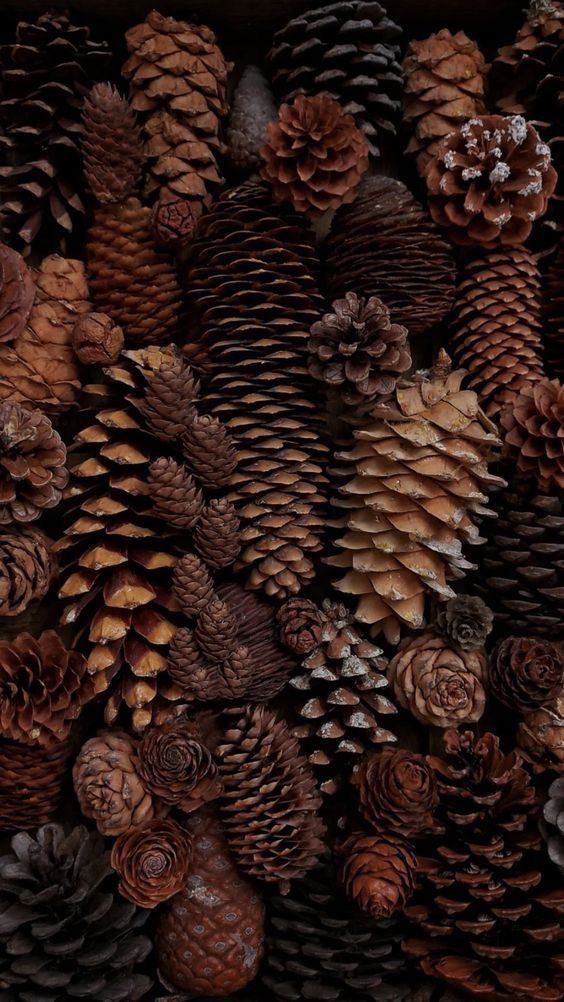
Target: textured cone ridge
(176, 767)
(534, 434)
(108, 784)
(27, 568)
(111, 146)
(33, 474)
(177, 498)
(97, 340)
(526, 674)
(17, 293)
(31, 783)
(378, 872)
(466, 621)
(152, 862)
(553, 303)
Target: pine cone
(552, 824)
(378, 872)
(490, 180)
(177, 498)
(192, 585)
(32, 464)
(111, 145)
(97, 340)
(300, 623)
(32, 779)
(152, 862)
(209, 450)
(553, 308)
(534, 435)
(270, 803)
(252, 108)
(27, 568)
(45, 76)
(176, 767)
(349, 50)
(17, 293)
(398, 792)
(216, 631)
(540, 736)
(526, 674)
(81, 938)
(444, 86)
(358, 349)
(109, 786)
(209, 938)
(173, 222)
(216, 536)
(188, 667)
(465, 621)
(169, 397)
(383, 226)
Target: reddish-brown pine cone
(176, 767)
(17, 293)
(32, 464)
(27, 567)
(43, 688)
(96, 339)
(152, 862)
(112, 148)
(534, 434)
(216, 631)
(490, 180)
(440, 685)
(192, 584)
(32, 780)
(173, 221)
(170, 394)
(398, 792)
(301, 625)
(526, 673)
(540, 735)
(108, 785)
(176, 497)
(314, 155)
(217, 534)
(209, 451)
(378, 872)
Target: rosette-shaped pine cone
(270, 803)
(27, 568)
(553, 309)
(385, 225)
(397, 792)
(465, 621)
(534, 434)
(314, 156)
(97, 340)
(111, 145)
(300, 622)
(490, 180)
(358, 350)
(378, 872)
(17, 293)
(108, 784)
(176, 767)
(444, 86)
(32, 464)
(526, 674)
(552, 824)
(252, 108)
(440, 685)
(32, 780)
(43, 688)
(152, 861)
(349, 50)
(487, 916)
(540, 736)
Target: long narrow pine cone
(32, 782)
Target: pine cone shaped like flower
(17, 293)
(217, 534)
(192, 584)
(490, 180)
(32, 464)
(397, 792)
(176, 767)
(169, 397)
(177, 499)
(32, 783)
(108, 784)
(314, 156)
(534, 434)
(465, 621)
(526, 674)
(358, 350)
(209, 451)
(378, 872)
(152, 862)
(27, 567)
(111, 145)
(81, 938)
(216, 631)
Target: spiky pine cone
(27, 568)
(252, 108)
(97, 340)
(358, 350)
(496, 325)
(111, 145)
(216, 536)
(465, 621)
(216, 630)
(444, 86)
(32, 781)
(490, 180)
(176, 767)
(17, 293)
(553, 309)
(270, 803)
(349, 50)
(32, 464)
(534, 434)
(385, 225)
(486, 915)
(192, 584)
(526, 674)
(378, 872)
(177, 498)
(108, 784)
(397, 792)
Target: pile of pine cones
(282, 513)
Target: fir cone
(109, 786)
(490, 180)
(17, 293)
(497, 325)
(209, 449)
(440, 685)
(81, 939)
(540, 737)
(385, 225)
(444, 86)
(553, 309)
(378, 872)
(526, 674)
(216, 536)
(270, 803)
(358, 350)
(177, 498)
(27, 568)
(552, 824)
(97, 340)
(465, 621)
(534, 434)
(397, 792)
(300, 623)
(252, 108)
(349, 50)
(32, 780)
(152, 862)
(111, 145)
(192, 584)
(176, 767)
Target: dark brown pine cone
(552, 824)
(32, 464)
(534, 436)
(217, 534)
(466, 621)
(209, 451)
(173, 222)
(176, 767)
(526, 674)
(358, 349)
(17, 292)
(176, 497)
(108, 784)
(169, 397)
(216, 630)
(378, 872)
(152, 862)
(192, 584)
(398, 792)
(301, 624)
(187, 666)
(31, 783)
(27, 567)
(111, 145)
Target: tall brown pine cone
(152, 861)
(358, 350)
(32, 782)
(209, 450)
(169, 397)
(397, 792)
(534, 434)
(111, 145)
(385, 225)
(32, 464)
(526, 674)
(378, 872)
(553, 309)
(301, 623)
(496, 327)
(177, 498)
(201, 679)
(216, 631)
(108, 784)
(192, 584)
(465, 621)
(252, 108)
(270, 804)
(176, 767)
(314, 156)
(217, 534)
(17, 293)
(27, 567)
(490, 180)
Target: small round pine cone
(534, 434)
(32, 464)
(152, 862)
(176, 497)
(378, 872)
(192, 584)
(465, 621)
(526, 673)
(27, 567)
(315, 155)
(96, 339)
(217, 534)
(301, 625)
(216, 631)
(17, 292)
(398, 792)
(176, 767)
(173, 222)
(209, 451)
(108, 784)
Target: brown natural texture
(211, 449)
(314, 156)
(252, 108)
(17, 293)
(97, 340)
(496, 327)
(526, 674)
(440, 685)
(490, 180)
(27, 568)
(414, 486)
(553, 310)
(378, 872)
(444, 86)
(217, 534)
(43, 688)
(552, 824)
(111, 145)
(31, 783)
(32, 464)
(209, 939)
(108, 784)
(397, 792)
(270, 803)
(173, 222)
(534, 434)
(177, 498)
(465, 621)
(300, 622)
(385, 225)
(215, 630)
(168, 404)
(176, 767)
(540, 736)
(152, 862)
(192, 584)
(487, 914)
(358, 350)
(200, 679)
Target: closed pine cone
(111, 145)
(33, 473)
(378, 872)
(553, 308)
(526, 674)
(27, 568)
(108, 784)
(32, 780)
(17, 293)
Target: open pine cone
(27, 568)
(526, 674)
(32, 464)
(108, 785)
(534, 434)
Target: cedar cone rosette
(108, 784)
(32, 464)
(152, 862)
(378, 872)
(17, 293)
(27, 568)
(465, 621)
(534, 434)
(176, 767)
(397, 792)
(526, 674)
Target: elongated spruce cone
(177, 498)
(217, 534)
(192, 584)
